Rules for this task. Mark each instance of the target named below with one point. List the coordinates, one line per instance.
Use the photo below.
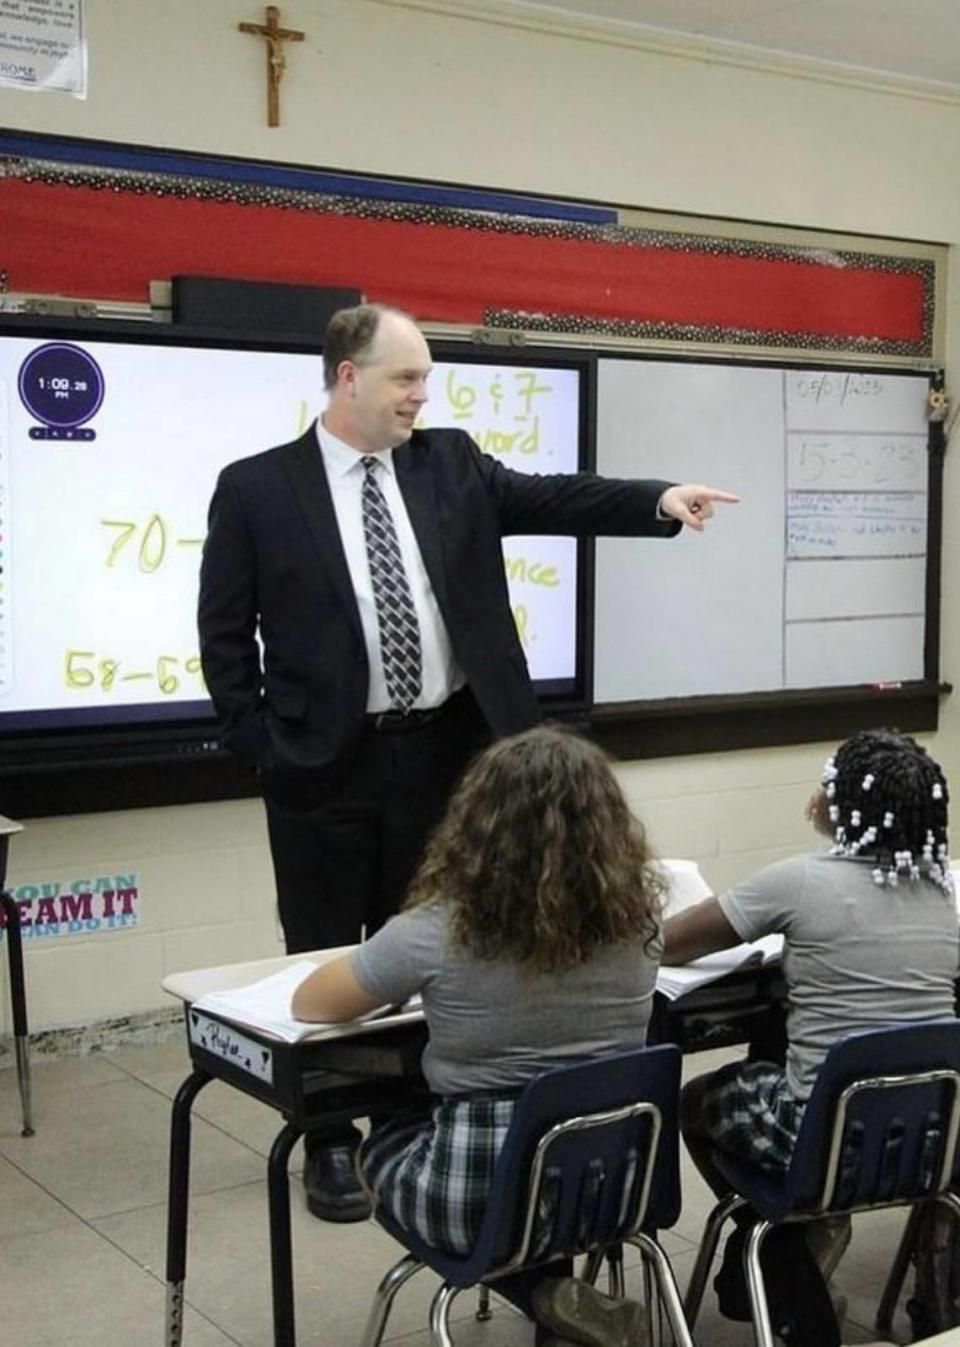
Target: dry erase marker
(891, 686)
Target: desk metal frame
(18, 991)
(315, 1081)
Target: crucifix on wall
(275, 37)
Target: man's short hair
(350, 334)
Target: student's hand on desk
(692, 504)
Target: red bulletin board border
(95, 231)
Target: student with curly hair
(532, 933)
(870, 938)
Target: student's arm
(698, 930)
(332, 994)
(393, 965)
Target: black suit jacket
(273, 559)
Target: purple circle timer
(61, 385)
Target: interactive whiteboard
(817, 579)
(109, 451)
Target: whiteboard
(817, 579)
(103, 512)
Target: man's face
(382, 393)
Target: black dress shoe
(333, 1190)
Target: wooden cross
(275, 37)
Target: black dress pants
(343, 869)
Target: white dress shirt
(441, 674)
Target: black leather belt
(401, 722)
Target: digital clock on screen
(62, 386)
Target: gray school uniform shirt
(857, 955)
(494, 1025)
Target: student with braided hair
(883, 796)
(871, 938)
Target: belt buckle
(405, 720)
(392, 719)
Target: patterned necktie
(396, 615)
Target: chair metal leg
(390, 1284)
(762, 1330)
(705, 1255)
(484, 1312)
(668, 1293)
(651, 1302)
(440, 1315)
(894, 1284)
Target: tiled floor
(82, 1211)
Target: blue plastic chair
(590, 1161)
(879, 1130)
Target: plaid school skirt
(431, 1170)
(749, 1112)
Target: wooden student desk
(339, 1073)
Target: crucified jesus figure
(275, 37)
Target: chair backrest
(881, 1124)
(591, 1154)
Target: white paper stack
(265, 1004)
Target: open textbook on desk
(679, 979)
(686, 886)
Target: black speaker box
(257, 306)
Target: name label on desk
(234, 1047)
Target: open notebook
(686, 886)
(265, 1004)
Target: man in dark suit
(367, 555)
